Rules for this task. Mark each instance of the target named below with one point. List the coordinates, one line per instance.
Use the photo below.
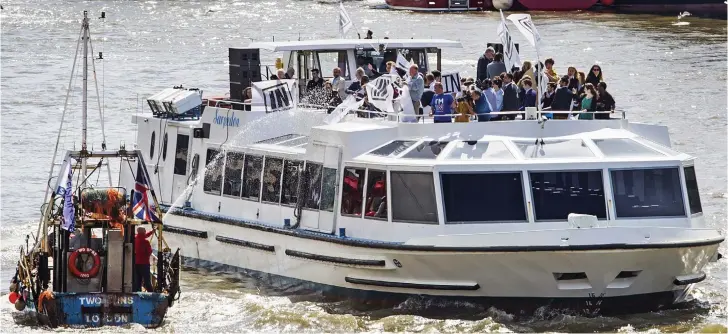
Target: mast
(84, 103)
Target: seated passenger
(377, 200)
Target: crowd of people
(494, 90)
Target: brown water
(660, 71)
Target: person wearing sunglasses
(595, 75)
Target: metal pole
(84, 103)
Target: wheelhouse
(350, 54)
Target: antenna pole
(84, 103)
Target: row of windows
(270, 179)
(499, 197)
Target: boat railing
(407, 118)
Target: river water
(660, 69)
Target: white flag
(408, 110)
(510, 54)
(343, 109)
(525, 25)
(344, 20)
(451, 82)
(402, 62)
(381, 93)
(275, 95)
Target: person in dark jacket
(142, 252)
(483, 61)
(562, 98)
(595, 75)
(548, 95)
(510, 95)
(529, 96)
(605, 101)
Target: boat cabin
(325, 55)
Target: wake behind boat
(86, 267)
(598, 216)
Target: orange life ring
(84, 274)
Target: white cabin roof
(347, 44)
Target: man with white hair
(416, 87)
(142, 252)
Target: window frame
(205, 175)
(298, 180)
(176, 149)
(687, 191)
(280, 179)
(524, 192)
(681, 186)
(366, 193)
(605, 191)
(391, 200)
(152, 144)
(242, 171)
(260, 178)
(340, 196)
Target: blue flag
(69, 212)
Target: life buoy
(88, 273)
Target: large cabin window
(213, 173)
(483, 197)
(180, 154)
(413, 197)
(557, 194)
(251, 176)
(289, 194)
(328, 60)
(328, 190)
(272, 179)
(313, 191)
(647, 193)
(233, 174)
(376, 203)
(353, 191)
(693, 194)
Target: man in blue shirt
(442, 105)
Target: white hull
(463, 274)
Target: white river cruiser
(598, 216)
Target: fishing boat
(600, 216)
(80, 270)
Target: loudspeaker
(244, 70)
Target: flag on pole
(525, 26)
(543, 85)
(69, 212)
(510, 54)
(344, 20)
(402, 62)
(140, 203)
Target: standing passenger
(510, 96)
(142, 252)
(416, 86)
(483, 61)
(338, 84)
(442, 105)
(497, 66)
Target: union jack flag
(140, 202)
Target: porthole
(151, 146)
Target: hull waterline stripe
(355, 242)
(696, 279)
(405, 285)
(246, 244)
(185, 231)
(333, 259)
